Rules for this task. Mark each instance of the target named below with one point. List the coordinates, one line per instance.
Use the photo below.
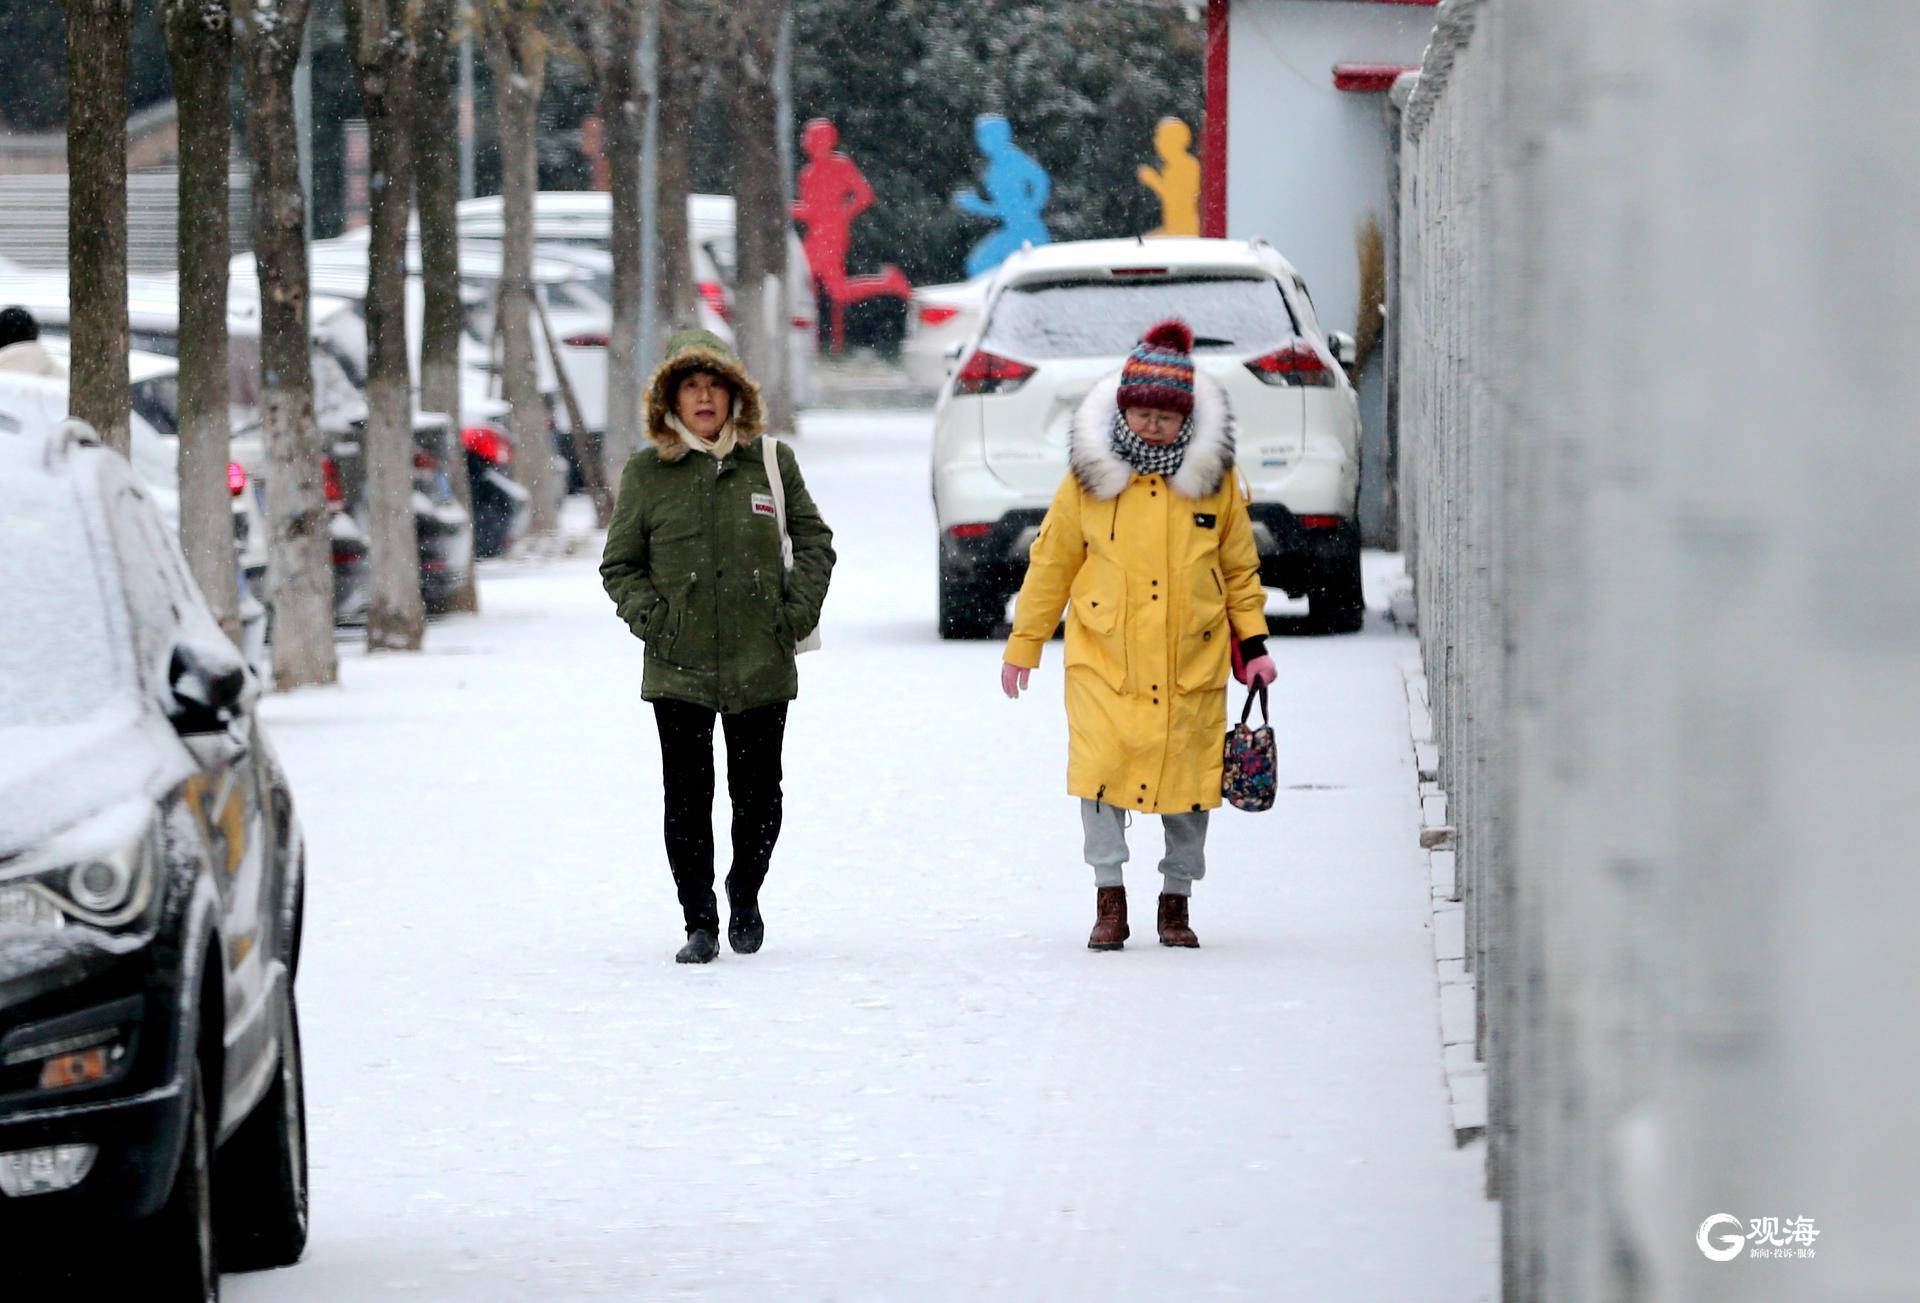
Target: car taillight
(585, 339)
(236, 478)
(1319, 522)
(989, 373)
(423, 460)
(1297, 364)
(715, 296)
(488, 444)
(330, 485)
(937, 314)
(803, 323)
(970, 531)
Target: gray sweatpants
(1184, 863)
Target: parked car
(340, 272)
(442, 527)
(940, 322)
(1062, 317)
(152, 872)
(581, 319)
(585, 218)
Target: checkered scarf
(1148, 458)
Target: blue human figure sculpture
(1017, 189)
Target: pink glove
(1261, 671)
(1013, 679)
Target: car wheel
(1337, 604)
(179, 1262)
(263, 1203)
(966, 610)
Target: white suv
(1062, 317)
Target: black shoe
(700, 948)
(746, 929)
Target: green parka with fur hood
(692, 560)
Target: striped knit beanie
(1159, 371)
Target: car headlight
(27, 905)
(103, 890)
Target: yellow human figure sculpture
(1177, 182)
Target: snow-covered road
(925, 1087)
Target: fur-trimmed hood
(700, 350)
(1104, 474)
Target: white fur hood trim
(1104, 474)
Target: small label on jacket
(1205, 519)
(763, 504)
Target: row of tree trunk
(402, 53)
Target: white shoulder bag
(771, 450)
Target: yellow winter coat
(1155, 574)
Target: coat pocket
(667, 620)
(1097, 623)
(1206, 636)
(770, 609)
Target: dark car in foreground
(151, 871)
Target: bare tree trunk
(98, 44)
(624, 114)
(200, 53)
(300, 545)
(517, 51)
(679, 89)
(760, 213)
(380, 35)
(437, 189)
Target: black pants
(753, 740)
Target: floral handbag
(1247, 776)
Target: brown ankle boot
(1173, 922)
(1110, 929)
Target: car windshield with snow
(65, 665)
(1105, 318)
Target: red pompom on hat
(1159, 371)
(1172, 334)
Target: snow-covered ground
(925, 1087)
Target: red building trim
(1369, 77)
(1213, 136)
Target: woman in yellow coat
(1149, 550)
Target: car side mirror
(1341, 345)
(209, 688)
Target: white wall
(1306, 162)
(1672, 626)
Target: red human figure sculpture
(830, 193)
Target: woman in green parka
(693, 564)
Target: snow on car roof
(153, 303)
(589, 207)
(342, 269)
(141, 365)
(1183, 253)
